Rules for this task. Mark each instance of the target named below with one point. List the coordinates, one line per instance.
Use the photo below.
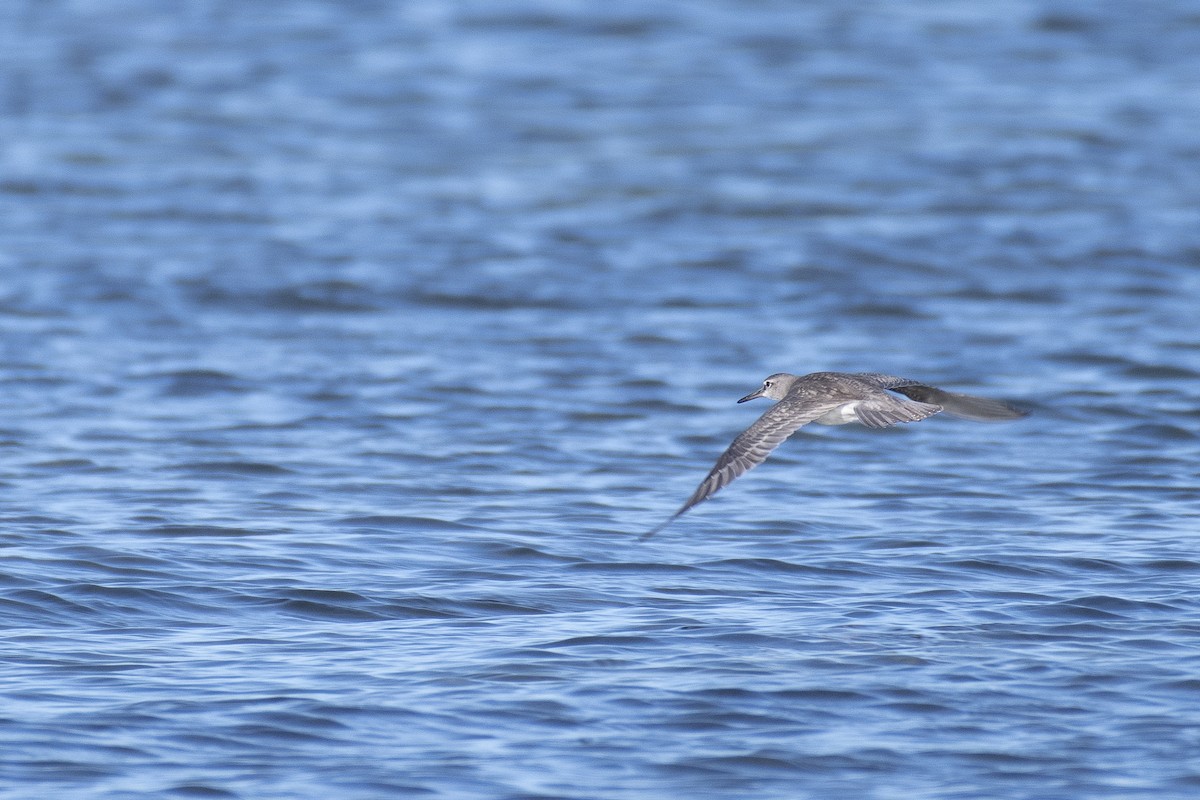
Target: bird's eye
(766, 384)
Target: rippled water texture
(348, 347)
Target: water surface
(347, 348)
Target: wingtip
(682, 510)
(656, 528)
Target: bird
(834, 398)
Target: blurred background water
(347, 347)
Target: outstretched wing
(964, 406)
(751, 448)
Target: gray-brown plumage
(834, 398)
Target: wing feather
(882, 409)
(751, 448)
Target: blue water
(348, 347)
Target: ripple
(199, 383)
(1161, 372)
(999, 568)
(394, 521)
(248, 468)
(197, 790)
(182, 530)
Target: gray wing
(881, 409)
(751, 448)
(964, 406)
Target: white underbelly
(840, 415)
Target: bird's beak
(756, 393)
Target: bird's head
(774, 387)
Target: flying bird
(834, 398)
